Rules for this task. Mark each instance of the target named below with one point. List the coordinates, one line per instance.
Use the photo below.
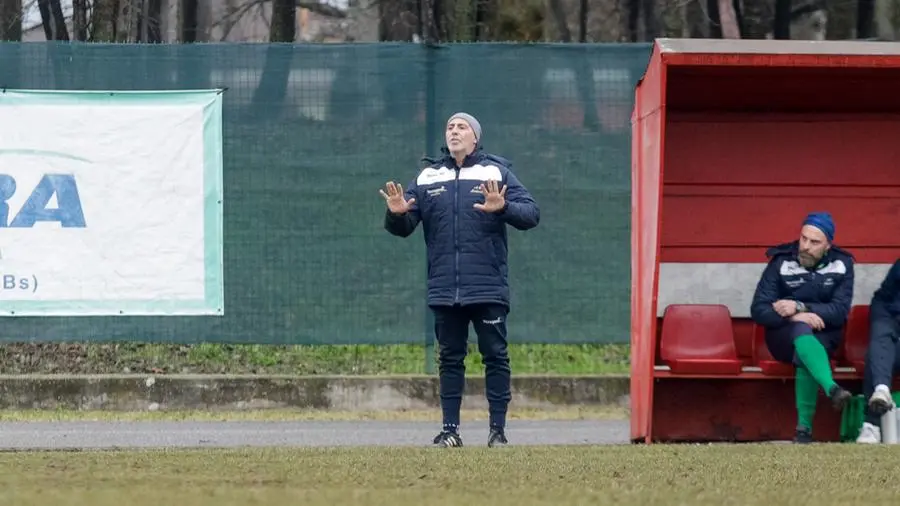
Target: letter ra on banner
(69, 213)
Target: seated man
(803, 300)
(883, 355)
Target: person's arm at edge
(885, 294)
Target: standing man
(465, 200)
(883, 355)
(803, 300)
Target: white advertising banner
(111, 203)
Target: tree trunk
(757, 19)
(651, 21)
(11, 20)
(284, 21)
(865, 19)
(883, 19)
(105, 14)
(52, 20)
(840, 22)
(151, 21)
(634, 17)
(79, 20)
(782, 25)
(563, 34)
(398, 20)
(485, 20)
(60, 30)
(189, 20)
(272, 88)
(715, 19)
(728, 19)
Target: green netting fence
(312, 131)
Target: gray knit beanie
(476, 126)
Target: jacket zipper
(456, 232)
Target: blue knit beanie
(822, 221)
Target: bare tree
(728, 19)
(237, 10)
(150, 21)
(521, 20)
(399, 20)
(273, 82)
(11, 20)
(103, 20)
(647, 8)
(758, 19)
(53, 20)
(782, 26)
(865, 19)
(884, 19)
(284, 21)
(79, 19)
(189, 19)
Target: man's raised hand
(494, 198)
(393, 195)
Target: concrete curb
(342, 393)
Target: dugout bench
(733, 143)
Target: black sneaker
(803, 436)
(447, 439)
(497, 438)
(839, 397)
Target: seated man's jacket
(826, 289)
(886, 300)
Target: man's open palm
(494, 199)
(393, 195)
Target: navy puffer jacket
(826, 289)
(467, 247)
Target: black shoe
(839, 397)
(447, 439)
(497, 438)
(803, 436)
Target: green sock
(806, 392)
(813, 355)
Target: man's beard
(807, 260)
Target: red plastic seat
(764, 359)
(699, 339)
(856, 337)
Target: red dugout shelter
(734, 142)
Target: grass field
(770, 475)
(96, 358)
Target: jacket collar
(447, 159)
(792, 250)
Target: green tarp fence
(312, 131)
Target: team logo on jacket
(434, 192)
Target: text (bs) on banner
(111, 203)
